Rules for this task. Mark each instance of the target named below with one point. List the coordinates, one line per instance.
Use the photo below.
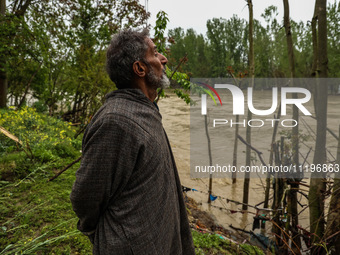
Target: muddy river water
(176, 120)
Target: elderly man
(127, 192)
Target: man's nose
(163, 59)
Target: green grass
(206, 243)
(37, 216)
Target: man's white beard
(155, 82)
(164, 82)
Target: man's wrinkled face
(156, 76)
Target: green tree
(236, 43)
(89, 32)
(217, 46)
(10, 21)
(192, 46)
(278, 59)
(303, 48)
(57, 51)
(333, 23)
(177, 47)
(262, 51)
(227, 45)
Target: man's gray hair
(125, 48)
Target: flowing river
(176, 120)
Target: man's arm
(110, 151)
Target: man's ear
(139, 68)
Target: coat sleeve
(110, 151)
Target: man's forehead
(150, 43)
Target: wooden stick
(259, 153)
(67, 167)
(179, 64)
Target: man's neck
(147, 91)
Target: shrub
(64, 150)
(40, 106)
(44, 139)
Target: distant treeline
(225, 47)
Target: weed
(215, 244)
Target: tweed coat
(127, 192)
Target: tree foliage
(56, 51)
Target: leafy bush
(64, 150)
(44, 139)
(40, 106)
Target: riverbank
(36, 213)
(235, 241)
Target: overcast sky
(195, 13)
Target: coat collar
(131, 94)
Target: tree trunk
(315, 53)
(210, 156)
(235, 149)
(318, 185)
(23, 98)
(315, 42)
(293, 209)
(322, 39)
(248, 131)
(271, 160)
(278, 201)
(3, 75)
(3, 88)
(289, 39)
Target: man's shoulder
(127, 111)
(131, 101)
(113, 113)
(130, 109)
